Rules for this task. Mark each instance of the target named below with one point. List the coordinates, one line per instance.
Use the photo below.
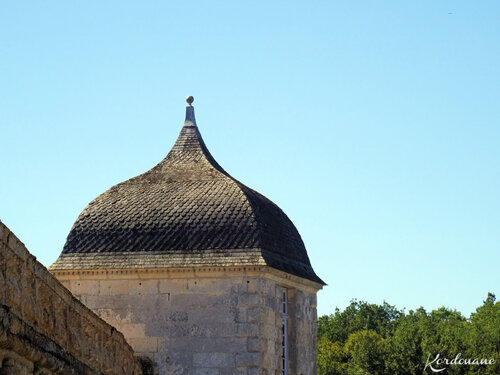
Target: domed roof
(186, 211)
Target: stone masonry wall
(44, 329)
(203, 322)
(302, 328)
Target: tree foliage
(380, 339)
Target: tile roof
(189, 212)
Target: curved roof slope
(186, 211)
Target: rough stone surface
(205, 322)
(186, 211)
(44, 329)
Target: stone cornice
(189, 272)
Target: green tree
(359, 315)
(332, 359)
(484, 337)
(379, 339)
(404, 347)
(366, 351)
(421, 335)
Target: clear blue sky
(375, 125)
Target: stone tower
(199, 272)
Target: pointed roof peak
(190, 119)
(189, 148)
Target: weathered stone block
(247, 359)
(233, 371)
(17, 247)
(144, 344)
(172, 285)
(254, 314)
(115, 317)
(143, 287)
(13, 296)
(247, 329)
(249, 299)
(212, 315)
(209, 285)
(15, 269)
(254, 285)
(3, 233)
(176, 316)
(85, 287)
(206, 371)
(241, 315)
(131, 330)
(113, 287)
(254, 344)
(213, 360)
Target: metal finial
(189, 99)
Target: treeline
(380, 339)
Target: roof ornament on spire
(190, 120)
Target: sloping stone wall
(45, 330)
